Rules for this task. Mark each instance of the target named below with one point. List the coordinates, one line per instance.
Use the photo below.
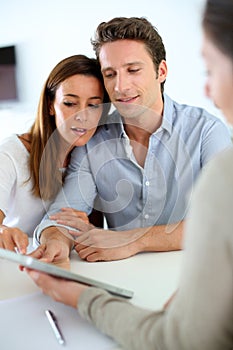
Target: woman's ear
(51, 109)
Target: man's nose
(121, 83)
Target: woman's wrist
(57, 233)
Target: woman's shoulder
(216, 178)
(12, 147)
(222, 163)
(11, 142)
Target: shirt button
(146, 216)
(147, 183)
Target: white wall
(46, 31)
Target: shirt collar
(167, 114)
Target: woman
(200, 316)
(33, 164)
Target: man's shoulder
(194, 112)
(187, 116)
(195, 120)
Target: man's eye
(108, 75)
(135, 70)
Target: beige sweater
(201, 315)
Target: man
(141, 164)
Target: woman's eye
(68, 104)
(94, 106)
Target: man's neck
(139, 131)
(140, 128)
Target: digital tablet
(51, 269)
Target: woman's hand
(56, 244)
(12, 237)
(60, 290)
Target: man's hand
(12, 237)
(106, 245)
(72, 217)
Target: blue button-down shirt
(132, 196)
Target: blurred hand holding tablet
(35, 264)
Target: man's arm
(106, 245)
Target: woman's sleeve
(7, 180)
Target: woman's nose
(81, 116)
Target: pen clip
(54, 325)
(53, 316)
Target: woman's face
(77, 108)
(219, 82)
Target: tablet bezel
(49, 268)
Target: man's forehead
(123, 53)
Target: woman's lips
(78, 131)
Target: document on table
(23, 325)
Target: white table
(152, 276)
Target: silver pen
(53, 323)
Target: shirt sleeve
(72, 194)
(7, 180)
(201, 314)
(216, 138)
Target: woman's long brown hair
(43, 166)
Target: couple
(149, 152)
(139, 166)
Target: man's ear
(162, 71)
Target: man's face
(130, 77)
